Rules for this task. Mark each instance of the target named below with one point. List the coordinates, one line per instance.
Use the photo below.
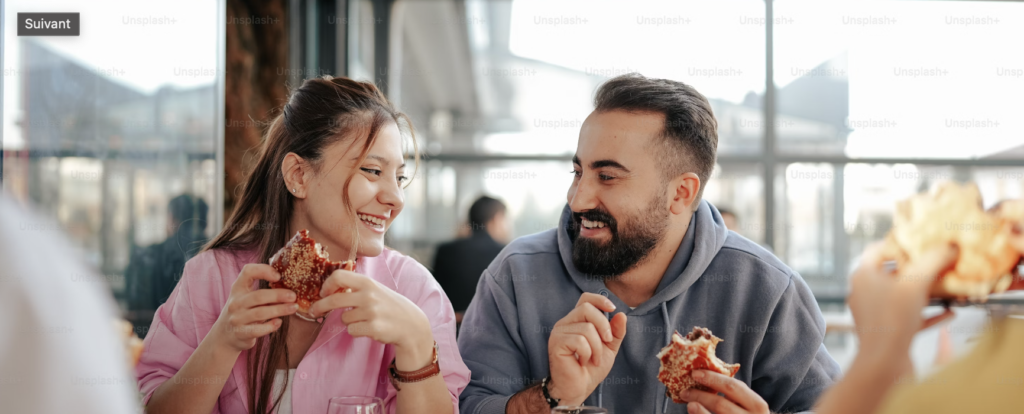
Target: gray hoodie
(718, 279)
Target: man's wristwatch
(553, 402)
(414, 376)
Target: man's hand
(738, 397)
(582, 348)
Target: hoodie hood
(704, 237)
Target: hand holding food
(686, 354)
(375, 311)
(952, 214)
(693, 375)
(251, 313)
(304, 265)
(887, 304)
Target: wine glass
(355, 405)
(578, 409)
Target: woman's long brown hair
(319, 113)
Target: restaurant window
(114, 134)
(898, 79)
(520, 88)
(552, 56)
(501, 115)
(859, 83)
(804, 219)
(360, 39)
(737, 188)
(438, 200)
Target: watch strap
(421, 374)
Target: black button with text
(48, 24)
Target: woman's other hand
(381, 314)
(252, 313)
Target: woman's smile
(377, 223)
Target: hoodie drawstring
(668, 341)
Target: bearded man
(577, 314)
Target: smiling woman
(332, 164)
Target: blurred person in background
(635, 240)
(459, 263)
(59, 351)
(729, 218)
(331, 163)
(154, 271)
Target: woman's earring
(293, 190)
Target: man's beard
(627, 248)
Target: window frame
(769, 157)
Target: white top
(285, 407)
(59, 351)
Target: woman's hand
(381, 314)
(250, 314)
(887, 304)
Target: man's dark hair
(690, 131)
(483, 211)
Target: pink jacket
(335, 365)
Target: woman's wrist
(218, 345)
(225, 351)
(415, 353)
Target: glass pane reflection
(113, 134)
